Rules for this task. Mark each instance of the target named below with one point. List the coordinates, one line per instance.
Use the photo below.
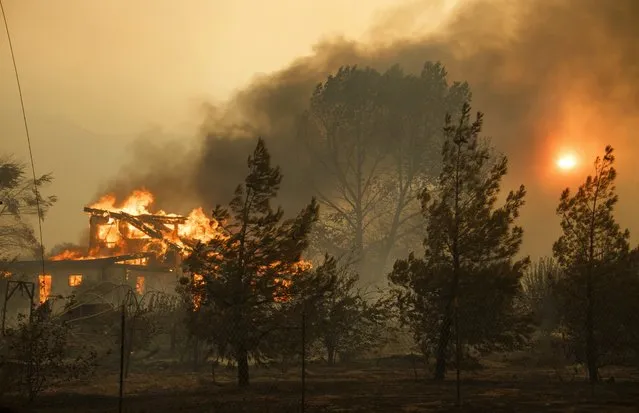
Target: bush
(36, 355)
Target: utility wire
(26, 130)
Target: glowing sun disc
(567, 162)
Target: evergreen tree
(245, 271)
(469, 273)
(599, 282)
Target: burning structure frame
(142, 252)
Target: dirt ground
(364, 387)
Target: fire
(69, 255)
(140, 285)
(44, 287)
(282, 284)
(199, 227)
(117, 235)
(198, 283)
(75, 280)
(135, 204)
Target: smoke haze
(548, 74)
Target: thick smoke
(546, 73)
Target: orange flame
(69, 255)
(44, 290)
(120, 237)
(135, 204)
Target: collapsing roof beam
(164, 219)
(152, 225)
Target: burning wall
(102, 277)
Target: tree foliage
(470, 268)
(600, 285)
(298, 317)
(19, 198)
(373, 139)
(539, 292)
(245, 272)
(339, 317)
(37, 354)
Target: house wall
(61, 282)
(152, 281)
(117, 280)
(114, 282)
(94, 284)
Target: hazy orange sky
(97, 74)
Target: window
(139, 285)
(136, 261)
(44, 283)
(75, 280)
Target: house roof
(36, 265)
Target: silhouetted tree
(373, 140)
(19, 198)
(246, 270)
(308, 290)
(539, 292)
(469, 268)
(340, 318)
(600, 285)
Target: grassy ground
(366, 387)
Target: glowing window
(136, 261)
(139, 285)
(44, 282)
(75, 280)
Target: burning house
(129, 248)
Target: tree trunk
(393, 231)
(591, 345)
(173, 336)
(591, 348)
(358, 247)
(196, 355)
(330, 353)
(442, 346)
(445, 330)
(242, 368)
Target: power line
(26, 130)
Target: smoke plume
(546, 73)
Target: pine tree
(469, 278)
(593, 251)
(244, 272)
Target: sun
(567, 162)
